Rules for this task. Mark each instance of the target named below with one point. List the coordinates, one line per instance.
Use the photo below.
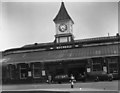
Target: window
(36, 71)
(23, 71)
(96, 67)
(113, 68)
(113, 65)
(63, 39)
(11, 69)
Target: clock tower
(63, 23)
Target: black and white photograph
(59, 46)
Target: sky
(32, 22)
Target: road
(90, 86)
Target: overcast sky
(32, 22)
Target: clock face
(63, 27)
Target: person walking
(72, 81)
(49, 79)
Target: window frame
(33, 70)
(23, 68)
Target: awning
(65, 54)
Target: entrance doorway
(76, 71)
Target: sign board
(29, 73)
(43, 72)
(88, 69)
(105, 68)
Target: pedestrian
(49, 79)
(72, 81)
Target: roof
(44, 46)
(87, 40)
(64, 54)
(62, 14)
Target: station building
(65, 55)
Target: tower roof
(62, 14)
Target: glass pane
(113, 68)
(113, 65)
(37, 72)
(97, 67)
(23, 73)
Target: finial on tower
(62, 14)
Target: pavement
(87, 87)
(75, 90)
